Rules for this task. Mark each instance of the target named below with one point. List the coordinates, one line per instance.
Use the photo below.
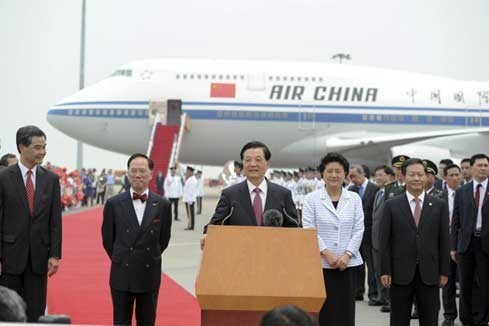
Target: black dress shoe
(385, 308)
(359, 297)
(375, 303)
(448, 322)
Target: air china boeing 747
(300, 109)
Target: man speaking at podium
(245, 202)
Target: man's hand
(343, 261)
(443, 280)
(330, 258)
(453, 255)
(53, 264)
(386, 281)
(202, 241)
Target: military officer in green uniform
(397, 187)
(431, 173)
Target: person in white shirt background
(190, 196)
(173, 190)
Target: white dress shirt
(173, 186)
(451, 197)
(482, 192)
(338, 229)
(263, 193)
(411, 201)
(190, 190)
(139, 206)
(23, 171)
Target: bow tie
(136, 196)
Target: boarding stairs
(164, 146)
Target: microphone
(272, 217)
(290, 218)
(233, 203)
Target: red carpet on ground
(81, 287)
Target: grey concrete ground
(182, 258)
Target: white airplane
(301, 110)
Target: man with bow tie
(135, 232)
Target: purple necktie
(417, 210)
(257, 206)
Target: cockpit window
(122, 72)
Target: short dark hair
(478, 157)
(4, 159)
(464, 160)
(287, 315)
(238, 164)
(450, 166)
(366, 171)
(136, 155)
(334, 157)
(12, 307)
(24, 135)
(446, 161)
(411, 161)
(387, 169)
(256, 144)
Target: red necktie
(257, 206)
(417, 211)
(142, 197)
(477, 195)
(29, 187)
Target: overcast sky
(40, 40)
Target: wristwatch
(349, 253)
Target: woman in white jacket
(337, 215)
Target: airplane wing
(375, 147)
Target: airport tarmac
(181, 259)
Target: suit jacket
(134, 250)
(368, 206)
(403, 244)
(377, 213)
(235, 205)
(464, 219)
(21, 233)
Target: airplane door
(306, 117)
(174, 112)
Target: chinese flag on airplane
(223, 90)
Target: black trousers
(366, 252)
(449, 293)
(174, 202)
(382, 292)
(190, 207)
(474, 262)
(339, 307)
(427, 297)
(199, 205)
(31, 287)
(123, 304)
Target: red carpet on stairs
(80, 289)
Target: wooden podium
(247, 270)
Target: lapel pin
(430, 204)
(154, 204)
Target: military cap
(189, 168)
(398, 160)
(430, 167)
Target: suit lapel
(131, 213)
(486, 196)
(326, 200)
(18, 182)
(149, 211)
(41, 184)
(469, 193)
(406, 210)
(425, 210)
(247, 206)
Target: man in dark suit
(30, 222)
(160, 181)
(470, 240)
(381, 179)
(245, 202)
(414, 241)
(135, 232)
(453, 176)
(440, 183)
(366, 190)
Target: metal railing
(177, 143)
(153, 131)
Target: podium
(247, 270)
